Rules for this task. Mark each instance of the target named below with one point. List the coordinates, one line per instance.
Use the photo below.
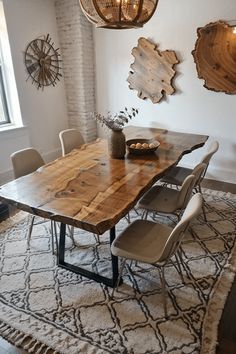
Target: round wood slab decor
(152, 71)
(215, 56)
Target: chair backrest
(192, 210)
(26, 161)
(185, 191)
(199, 172)
(213, 148)
(70, 139)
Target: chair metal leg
(136, 211)
(30, 232)
(163, 285)
(52, 237)
(127, 216)
(144, 215)
(122, 265)
(203, 204)
(97, 239)
(71, 234)
(179, 268)
(55, 235)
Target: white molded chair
(149, 242)
(70, 139)
(177, 174)
(164, 200)
(26, 161)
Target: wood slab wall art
(152, 71)
(215, 56)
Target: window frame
(3, 97)
(8, 88)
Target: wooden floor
(227, 327)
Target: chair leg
(30, 232)
(203, 204)
(52, 237)
(122, 265)
(179, 268)
(97, 238)
(144, 215)
(55, 235)
(127, 216)
(136, 211)
(71, 234)
(163, 285)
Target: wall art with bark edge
(215, 56)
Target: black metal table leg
(86, 273)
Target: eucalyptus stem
(117, 121)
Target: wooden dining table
(88, 189)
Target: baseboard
(219, 185)
(214, 173)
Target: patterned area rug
(46, 309)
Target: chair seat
(160, 199)
(142, 240)
(176, 175)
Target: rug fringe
(24, 341)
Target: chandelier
(118, 14)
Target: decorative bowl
(142, 146)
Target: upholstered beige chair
(70, 139)
(150, 242)
(164, 200)
(24, 162)
(177, 174)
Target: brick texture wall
(77, 49)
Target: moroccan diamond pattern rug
(46, 309)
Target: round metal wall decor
(118, 14)
(42, 62)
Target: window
(9, 102)
(4, 113)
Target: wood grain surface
(215, 56)
(152, 71)
(92, 191)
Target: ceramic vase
(117, 145)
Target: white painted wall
(193, 108)
(43, 112)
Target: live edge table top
(90, 190)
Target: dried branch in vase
(117, 121)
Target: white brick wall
(77, 49)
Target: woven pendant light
(118, 14)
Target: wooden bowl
(139, 149)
